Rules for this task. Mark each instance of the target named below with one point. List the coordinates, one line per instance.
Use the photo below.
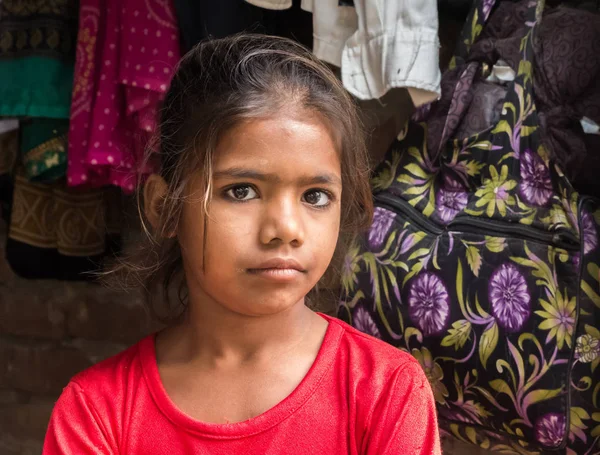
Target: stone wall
(50, 330)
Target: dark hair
(218, 84)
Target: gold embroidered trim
(32, 221)
(80, 223)
(24, 8)
(57, 144)
(38, 40)
(45, 27)
(50, 216)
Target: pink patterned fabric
(126, 54)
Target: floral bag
(482, 262)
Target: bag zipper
(564, 239)
(396, 204)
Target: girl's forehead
(284, 143)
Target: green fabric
(36, 87)
(43, 148)
(37, 57)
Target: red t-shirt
(361, 396)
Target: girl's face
(274, 217)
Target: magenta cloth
(126, 53)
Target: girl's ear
(155, 190)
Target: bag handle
(520, 91)
(476, 20)
(512, 149)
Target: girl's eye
(241, 193)
(317, 198)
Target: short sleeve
(404, 420)
(75, 427)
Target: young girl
(264, 178)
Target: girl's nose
(282, 222)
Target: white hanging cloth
(380, 45)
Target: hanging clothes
(43, 148)
(272, 4)
(333, 25)
(285, 4)
(200, 19)
(54, 232)
(380, 45)
(127, 51)
(60, 233)
(37, 55)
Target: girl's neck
(215, 335)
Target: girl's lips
(279, 275)
(278, 269)
(280, 263)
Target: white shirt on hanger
(332, 26)
(380, 45)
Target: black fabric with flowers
(483, 262)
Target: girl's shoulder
(368, 350)
(96, 405)
(116, 374)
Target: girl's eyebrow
(244, 173)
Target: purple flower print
(428, 303)
(450, 199)
(551, 429)
(487, 7)
(536, 185)
(509, 297)
(382, 221)
(364, 322)
(590, 234)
